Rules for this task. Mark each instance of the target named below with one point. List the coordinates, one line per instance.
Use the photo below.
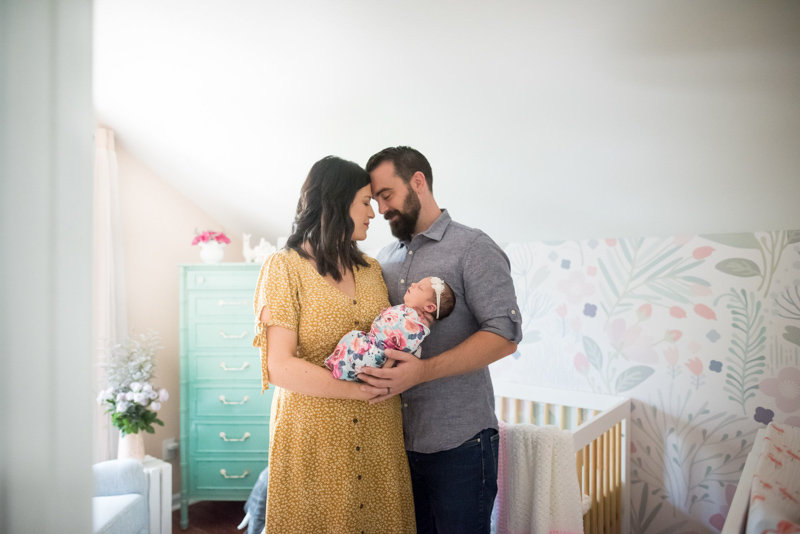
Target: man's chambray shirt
(444, 413)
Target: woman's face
(361, 212)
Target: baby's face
(420, 294)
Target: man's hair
(447, 302)
(323, 216)
(406, 161)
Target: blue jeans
(454, 490)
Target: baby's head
(431, 296)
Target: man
(448, 403)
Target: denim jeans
(454, 490)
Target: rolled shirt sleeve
(489, 289)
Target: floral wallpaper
(701, 332)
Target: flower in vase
(130, 398)
(208, 237)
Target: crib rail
(598, 424)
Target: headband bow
(438, 286)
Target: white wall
(45, 267)
(543, 120)
(158, 226)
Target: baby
(401, 327)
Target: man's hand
(408, 371)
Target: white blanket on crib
(537, 482)
(775, 487)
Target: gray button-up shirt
(444, 413)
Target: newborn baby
(401, 327)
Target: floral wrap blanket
(398, 327)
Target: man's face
(397, 202)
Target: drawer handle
(223, 401)
(244, 366)
(243, 438)
(226, 475)
(223, 335)
(222, 303)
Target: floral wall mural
(701, 332)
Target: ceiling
(530, 111)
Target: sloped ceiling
(542, 120)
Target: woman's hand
(367, 393)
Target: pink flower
(562, 310)
(611, 242)
(396, 340)
(591, 270)
(673, 335)
(705, 312)
(695, 366)
(208, 235)
(576, 288)
(644, 311)
(702, 252)
(391, 316)
(671, 355)
(677, 312)
(785, 388)
(581, 363)
(631, 342)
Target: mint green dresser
(224, 415)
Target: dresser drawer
(231, 438)
(230, 401)
(228, 367)
(219, 278)
(221, 334)
(221, 304)
(227, 474)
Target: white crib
(599, 426)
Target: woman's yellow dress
(336, 466)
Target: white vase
(212, 252)
(130, 446)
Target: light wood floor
(211, 517)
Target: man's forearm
(478, 350)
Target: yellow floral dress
(336, 466)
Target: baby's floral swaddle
(398, 327)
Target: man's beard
(404, 222)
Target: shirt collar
(436, 230)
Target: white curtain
(110, 320)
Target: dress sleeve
(277, 289)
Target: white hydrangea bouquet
(130, 398)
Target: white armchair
(120, 498)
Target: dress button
(358, 448)
(355, 420)
(513, 312)
(355, 301)
(359, 477)
(402, 280)
(410, 252)
(355, 322)
(361, 505)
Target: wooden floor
(211, 517)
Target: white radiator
(159, 478)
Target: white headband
(438, 286)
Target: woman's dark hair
(323, 216)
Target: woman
(336, 463)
